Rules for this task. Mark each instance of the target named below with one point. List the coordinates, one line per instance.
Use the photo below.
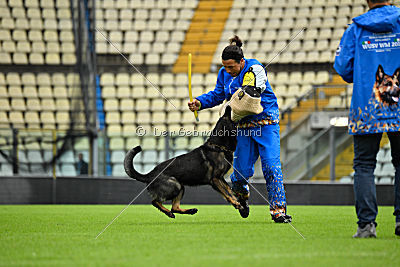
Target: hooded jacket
(227, 85)
(369, 57)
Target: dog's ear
(228, 110)
(379, 74)
(396, 74)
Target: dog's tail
(128, 165)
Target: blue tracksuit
(258, 135)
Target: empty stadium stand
(39, 89)
(36, 33)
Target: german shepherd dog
(386, 87)
(205, 165)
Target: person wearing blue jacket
(258, 135)
(369, 57)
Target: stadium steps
(203, 35)
(304, 107)
(301, 111)
(337, 80)
(343, 162)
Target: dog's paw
(170, 214)
(191, 211)
(237, 205)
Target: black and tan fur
(386, 87)
(205, 165)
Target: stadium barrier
(86, 190)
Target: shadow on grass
(213, 223)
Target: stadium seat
(128, 117)
(68, 169)
(60, 90)
(62, 118)
(16, 118)
(116, 143)
(118, 170)
(48, 104)
(346, 179)
(173, 117)
(117, 156)
(32, 117)
(386, 180)
(114, 130)
(142, 105)
(47, 117)
(6, 169)
(126, 104)
(158, 117)
(3, 91)
(150, 156)
(81, 144)
(22, 157)
(33, 104)
(5, 58)
(152, 59)
(111, 104)
(158, 104)
(9, 46)
(149, 142)
(387, 170)
(68, 59)
(108, 92)
(335, 102)
(34, 156)
(4, 119)
(113, 117)
(132, 142)
(380, 157)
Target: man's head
(373, 3)
(80, 156)
(232, 57)
(232, 67)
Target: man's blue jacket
(369, 56)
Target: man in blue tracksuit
(258, 135)
(369, 56)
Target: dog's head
(386, 87)
(225, 131)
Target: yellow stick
(190, 82)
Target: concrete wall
(75, 190)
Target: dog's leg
(163, 209)
(176, 203)
(222, 187)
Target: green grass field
(64, 235)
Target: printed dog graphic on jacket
(386, 87)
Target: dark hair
(233, 51)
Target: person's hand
(194, 105)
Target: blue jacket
(369, 56)
(227, 85)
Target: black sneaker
(244, 202)
(282, 218)
(279, 215)
(397, 229)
